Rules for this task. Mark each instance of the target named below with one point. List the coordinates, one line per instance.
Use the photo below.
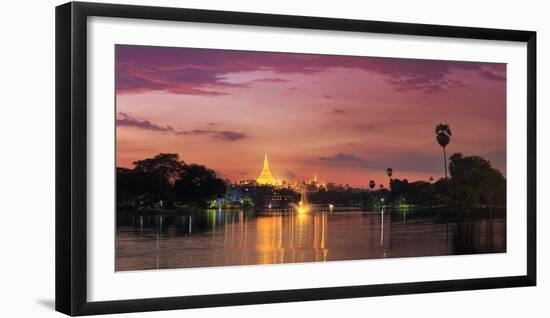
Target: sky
(344, 118)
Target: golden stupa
(266, 177)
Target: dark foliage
(197, 185)
(474, 182)
(164, 180)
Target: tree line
(473, 183)
(165, 179)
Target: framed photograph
(208, 158)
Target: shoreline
(439, 211)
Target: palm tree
(372, 184)
(443, 137)
(389, 171)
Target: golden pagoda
(266, 177)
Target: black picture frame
(71, 157)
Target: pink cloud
(201, 71)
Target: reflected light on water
(305, 233)
(301, 207)
(290, 237)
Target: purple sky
(344, 118)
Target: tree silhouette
(164, 179)
(443, 137)
(150, 181)
(372, 184)
(389, 171)
(166, 166)
(197, 185)
(475, 182)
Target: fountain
(303, 206)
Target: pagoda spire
(266, 177)
(266, 163)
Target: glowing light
(302, 209)
(266, 177)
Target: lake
(236, 237)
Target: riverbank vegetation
(166, 182)
(473, 183)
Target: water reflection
(237, 237)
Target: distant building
(266, 177)
(266, 191)
(248, 182)
(265, 196)
(314, 185)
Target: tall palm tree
(389, 171)
(443, 137)
(372, 184)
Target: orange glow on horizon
(342, 119)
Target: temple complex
(266, 177)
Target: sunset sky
(344, 118)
